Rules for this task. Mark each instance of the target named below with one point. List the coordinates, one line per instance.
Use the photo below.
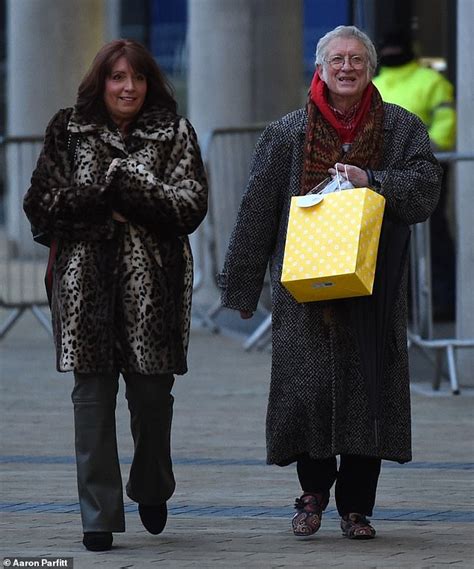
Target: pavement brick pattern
(229, 509)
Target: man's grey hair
(347, 32)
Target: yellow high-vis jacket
(427, 94)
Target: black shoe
(97, 540)
(153, 517)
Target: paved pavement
(229, 509)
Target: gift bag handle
(338, 177)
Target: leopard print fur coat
(121, 294)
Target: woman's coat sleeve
(178, 202)
(53, 203)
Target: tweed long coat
(318, 402)
(121, 291)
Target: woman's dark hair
(90, 102)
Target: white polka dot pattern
(331, 247)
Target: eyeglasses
(355, 61)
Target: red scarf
(325, 135)
(319, 96)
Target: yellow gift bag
(331, 244)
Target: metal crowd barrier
(22, 261)
(227, 153)
(420, 332)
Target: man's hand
(245, 315)
(355, 175)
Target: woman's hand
(355, 175)
(245, 314)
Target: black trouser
(356, 480)
(151, 479)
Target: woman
(319, 403)
(119, 185)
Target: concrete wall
(245, 61)
(50, 45)
(464, 189)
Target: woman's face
(346, 84)
(124, 92)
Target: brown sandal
(357, 526)
(309, 510)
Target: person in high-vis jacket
(404, 81)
